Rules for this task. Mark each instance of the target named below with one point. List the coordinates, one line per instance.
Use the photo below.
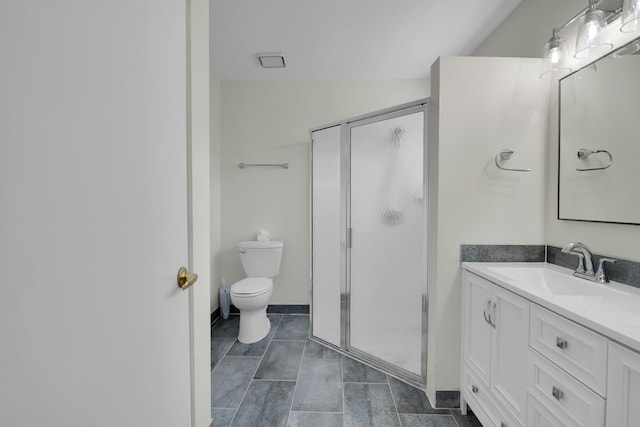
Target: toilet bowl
(251, 296)
(261, 262)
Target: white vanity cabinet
(495, 342)
(543, 349)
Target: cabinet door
(509, 350)
(623, 387)
(477, 331)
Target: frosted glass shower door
(387, 256)
(327, 231)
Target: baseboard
(271, 309)
(288, 309)
(447, 399)
(215, 316)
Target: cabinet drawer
(540, 415)
(577, 350)
(563, 394)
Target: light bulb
(588, 43)
(553, 64)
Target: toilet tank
(261, 259)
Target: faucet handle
(580, 267)
(601, 276)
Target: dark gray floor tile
(356, 372)
(222, 417)
(319, 386)
(410, 400)
(369, 405)
(256, 348)
(281, 361)
(266, 404)
(427, 420)
(468, 420)
(220, 347)
(230, 379)
(313, 350)
(314, 419)
(226, 328)
(293, 327)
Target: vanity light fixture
(553, 66)
(630, 16)
(588, 41)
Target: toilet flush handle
(242, 250)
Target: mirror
(599, 156)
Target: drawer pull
(557, 393)
(474, 389)
(492, 313)
(561, 343)
(487, 307)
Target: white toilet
(261, 262)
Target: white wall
(524, 34)
(528, 28)
(198, 117)
(480, 106)
(216, 212)
(269, 122)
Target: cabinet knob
(557, 393)
(561, 343)
(474, 389)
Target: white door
(93, 219)
(477, 327)
(387, 219)
(509, 350)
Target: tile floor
(289, 380)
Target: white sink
(542, 277)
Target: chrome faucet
(585, 263)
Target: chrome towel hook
(506, 155)
(583, 153)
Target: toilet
(261, 263)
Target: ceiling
(347, 39)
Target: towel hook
(583, 153)
(506, 155)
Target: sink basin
(554, 282)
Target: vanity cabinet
(524, 364)
(494, 346)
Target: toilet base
(254, 325)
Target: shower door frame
(421, 105)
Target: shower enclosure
(369, 238)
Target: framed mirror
(599, 150)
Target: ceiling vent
(272, 60)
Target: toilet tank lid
(254, 244)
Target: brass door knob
(185, 280)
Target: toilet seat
(251, 287)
